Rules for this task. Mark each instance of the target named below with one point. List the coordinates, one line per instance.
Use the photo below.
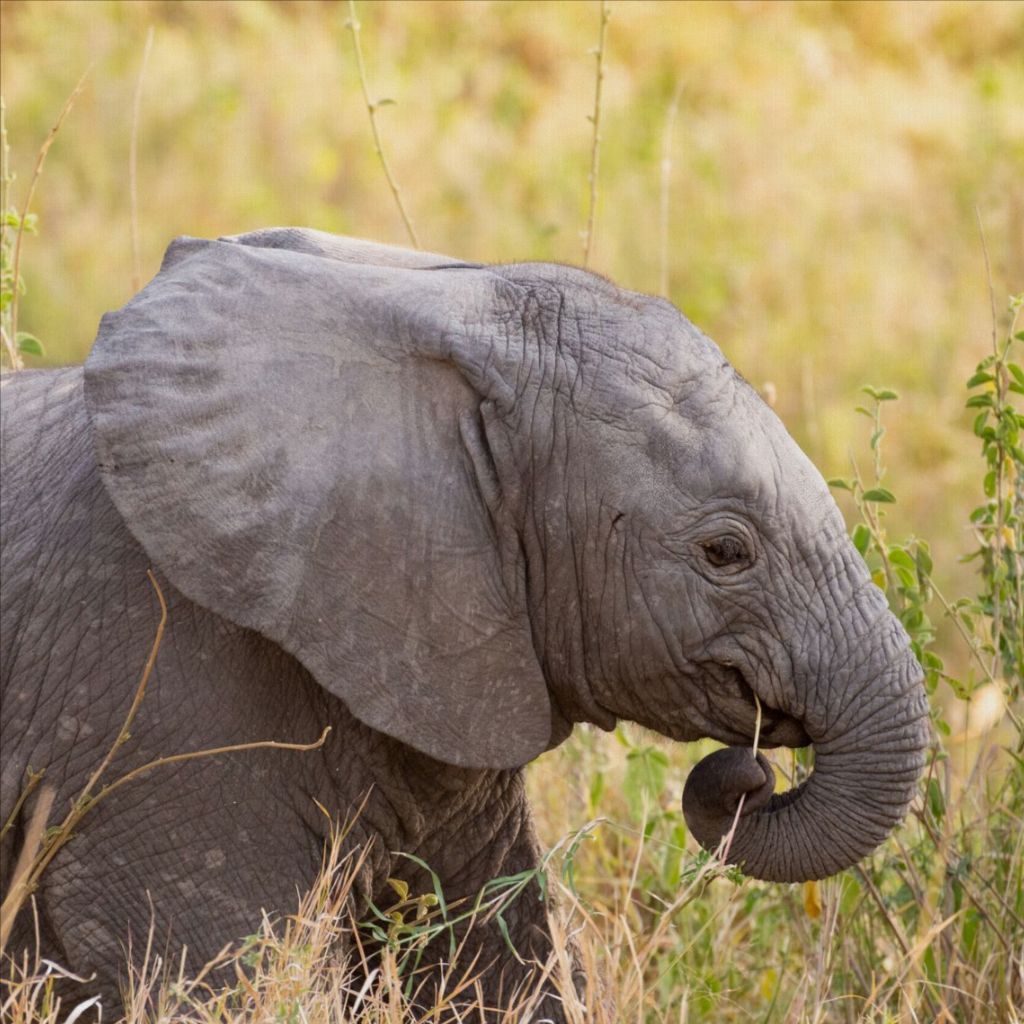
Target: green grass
(826, 171)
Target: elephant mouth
(734, 718)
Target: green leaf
(861, 538)
(1016, 371)
(912, 620)
(908, 579)
(840, 484)
(969, 936)
(503, 928)
(923, 557)
(899, 556)
(29, 344)
(880, 394)
(401, 888)
(879, 494)
(979, 402)
(981, 377)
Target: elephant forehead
(605, 342)
(723, 444)
(658, 357)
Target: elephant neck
(555, 613)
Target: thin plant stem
(13, 354)
(192, 755)
(371, 109)
(140, 692)
(871, 518)
(727, 841)
(595, 142)
(666, 176)
(26, 858)
(33, 181)
(133, 151)
(4, 159)
(34, 778)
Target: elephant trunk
(865, 775)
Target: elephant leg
(511, 964)
(508, 942)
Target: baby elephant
(449, 510)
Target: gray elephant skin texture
(450, 510)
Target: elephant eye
(726, 552)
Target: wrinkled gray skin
(449, 510)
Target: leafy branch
(16, 342)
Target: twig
(133, 149)
(595, 144)
(727, 841)
(57, 837)
(371, 109)
(192, 755)
(84, 800)
(34, 778)
(36, 172)
(140, 692)
(880, 903)
(26, 858)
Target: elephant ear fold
(344, 249)
(281, 431)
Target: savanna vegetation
(833, 191)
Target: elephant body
(449, 511)
(221, 838)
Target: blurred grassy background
(824, 168)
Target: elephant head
(480, 504)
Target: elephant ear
(282, 431)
